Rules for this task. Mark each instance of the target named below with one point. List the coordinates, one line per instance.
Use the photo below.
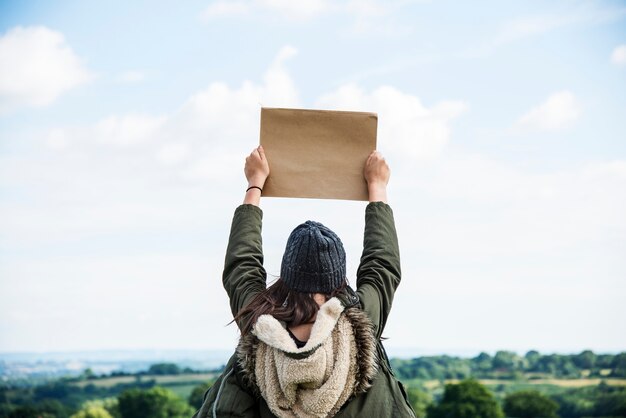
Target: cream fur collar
(273, 333)
(337, 362)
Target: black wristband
(254, 187)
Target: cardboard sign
(317, 153)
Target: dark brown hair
(286, 305)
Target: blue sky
(123, 129)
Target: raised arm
(244, 275)
(376, 173)
(256, 170)
(379, 272)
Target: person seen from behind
(310, 345)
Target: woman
(310, 345)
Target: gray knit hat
(314, 260)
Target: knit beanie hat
(314, 260)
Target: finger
(261, 151)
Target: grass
(183, 391)
(181, 384)
(502, 387)
(168, 380)
(577, 383)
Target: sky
(124, 127)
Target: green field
(183, 384)
(166, 381)
(564, 383)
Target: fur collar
(273, 333)
(335, 327)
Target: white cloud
(127, 130)
(302, 9)
(559, 111)
(294, 10)
(521, 28)
(57, 139)
(618, 57)
(91, 285)
(538, 209)
(224, 8)
(478, 231)
(372, 17)
(123, 176)
(406, 127)
(132, 76)
(196, 145)
(172, 153)
(135, 192)
(530, 26)
(38, 66)
(369, 17)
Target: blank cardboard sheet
(317, 153)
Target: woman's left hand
(257, 168)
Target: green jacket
(378, 276)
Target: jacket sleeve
(379, 271)
(244, 275)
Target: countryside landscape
(503, 384)
(124, 132)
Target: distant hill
(56, 364)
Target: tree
(98, 408)
(482, 362)
(92, 412)
(610, 401)
(507, 360)
(531, 358)
(164, 369)
(619, 365)
(27, 412)
(419, 401)
(529, 404)
(585, 360)
(49, 408)
(53, 390)
(156, 402)
(88, 374)
(197, 394)
(468, 399)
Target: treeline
(141, 396)
(593, 401)
(157, 369)
(510, 365)
(59, 398)
(156, 402)
(470, 399)
(84, 397)
(466, 399)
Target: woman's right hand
(376, 173)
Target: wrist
(256, 182)
(377, 186)
(377, 192)
(252, 188)
(253, 195)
